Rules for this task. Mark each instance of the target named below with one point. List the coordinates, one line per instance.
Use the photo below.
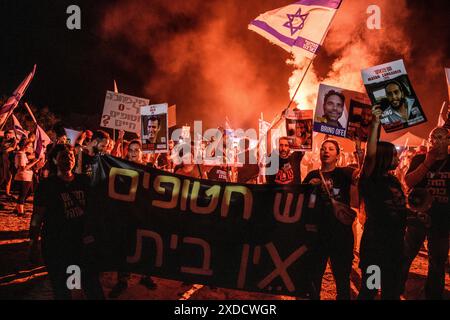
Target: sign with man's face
(332, 109)
(154, 133)
(360, 117)
(389, 87)
(299, 129)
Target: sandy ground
(20, 280)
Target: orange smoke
(205, 61)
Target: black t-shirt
(218, 173)
(65, 213)
(437, 181)
(288, 170)
(385, 206)
(339, 182)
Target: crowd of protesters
(374, 182)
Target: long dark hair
(383, 159)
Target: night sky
(135, 42)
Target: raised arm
(116, 151)
(371, 147)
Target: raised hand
(376, 113)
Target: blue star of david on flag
(293, 18)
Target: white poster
(72, 136)
(121, 112)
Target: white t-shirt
(22, 160)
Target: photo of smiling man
(333, 107)
(389, 87)
(331, 111)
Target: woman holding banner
(134, 154)
(381, 249)
(335, 235)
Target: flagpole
(116, 90)
(31, 113)
(440, 117)
(301, 80)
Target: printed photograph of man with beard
(398, 107)
(389, 88)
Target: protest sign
(299, 125)
(331, 110)
(250, 237)
(155, 130)
(389, 87)
(360, 117)
(121, 112)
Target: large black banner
(249, 237)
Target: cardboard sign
(121, 112)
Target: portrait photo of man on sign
(299, 129)
(331, 111)
(154, 128)
(360, 117)
(333, 108)
(397, 104)
(388, 86)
